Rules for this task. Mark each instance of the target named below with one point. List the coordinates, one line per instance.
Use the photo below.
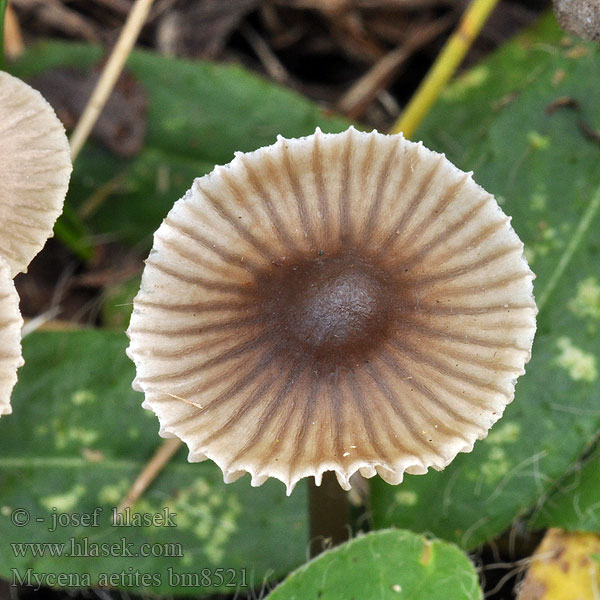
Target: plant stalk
(3, 4)
(329, 512)
(110, 74)
(444, 67)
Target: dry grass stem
(162, 456)
(110, 74)
(444, 67)
(357, 99)
(13, 39)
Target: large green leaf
(575, 503)
(76, 440)
(546, 174)
(199, 114)
(385, 564)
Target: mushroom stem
(329, 514)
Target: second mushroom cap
(34, 171)
(10, 337)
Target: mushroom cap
(10, 337)
(337, 302)
(34, 171)
(581, 17)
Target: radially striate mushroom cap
(345, 302)
(34, 171)
(10, 337)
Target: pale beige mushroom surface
(10, 337)
(35, 167)
(345, 302)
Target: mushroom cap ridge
(34, 171)
(345, 302)
(11, 323)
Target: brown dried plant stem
(110, 74)
(329, 513)
(162, 456)
(359, 97)
(2, 13)
(13, 38)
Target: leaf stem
(444, 67)
(584, 224)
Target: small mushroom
(34, 171)
(581, 17)
(339, 302)
(10, 337)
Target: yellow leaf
(565, 567)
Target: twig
(268, 59)
(162, 456)
(55, 14)
(356, 100)
(90, 206)
(110, 74)
(389, 103)
(13, 38)
(445, 66)
(46, 322)
(2, 13)
(39, 322)
(568, 102)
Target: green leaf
(385, 564)
(117, 303)
(574, 504)
(544, 172)
(199, 114)
(76, 440)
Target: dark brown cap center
(332, 307)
